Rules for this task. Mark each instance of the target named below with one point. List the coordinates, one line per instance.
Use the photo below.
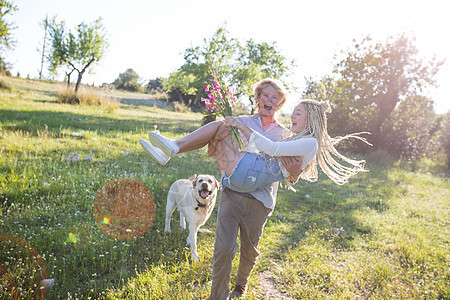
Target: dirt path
(268, 287)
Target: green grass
(395, 222)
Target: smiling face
(205, 185)
(269, 101)
(298, 118)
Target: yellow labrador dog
(195, 198)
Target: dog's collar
(199, 204)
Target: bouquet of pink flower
(220, 101)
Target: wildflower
(220, 100)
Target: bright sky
(150, 36)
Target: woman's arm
(299, 147)
(232, 121)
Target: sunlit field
(385, 235)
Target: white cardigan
(305, 147)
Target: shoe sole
(153, 153)
(156, 142)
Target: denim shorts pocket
(254, 179)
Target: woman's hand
(232, 121)
(293, 165)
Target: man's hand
(293, 165)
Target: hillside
(384, 235)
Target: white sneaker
(154, 152)
(167, 146)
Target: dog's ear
(193, 178)
(217, 184)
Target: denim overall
(252, 172)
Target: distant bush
(208, 118)
(159, 95)
(87, 96)
(180, 107)
(4, 85)
(129, 81)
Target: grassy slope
(395, 222)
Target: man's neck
(267, 121)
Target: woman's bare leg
(198, 138)
(218, 138)
(227, 155)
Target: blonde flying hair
(316, 126)
(276, 84)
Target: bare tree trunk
(81, 73)
(43, 46)
(68, 77)
(252, 106)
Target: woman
(308, 137)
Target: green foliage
(240, 65)
(216, 53)
(76, 51)
(256, 62)
(154, 85)
(6, 8)
(446, 137)
(409, 130)
(180, 86)
(367, 91)
(129, 81)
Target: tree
(256, 62)
(76, 51)
(44, 24)
(6, 28)
(241, 66)
(154, 85)
(180, 84)
(6, 8)
(371, 81)
(129, 80)
(216, 54)
(410, 129)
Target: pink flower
(207, 88)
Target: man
(244, 212)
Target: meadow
(384, 235)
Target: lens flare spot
(323, 88)
(124, 208)
(72, 238)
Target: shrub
(180, 107)
(129, 81)
(4, 85)
(208, 117)
(88, 96)
(158, 95)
